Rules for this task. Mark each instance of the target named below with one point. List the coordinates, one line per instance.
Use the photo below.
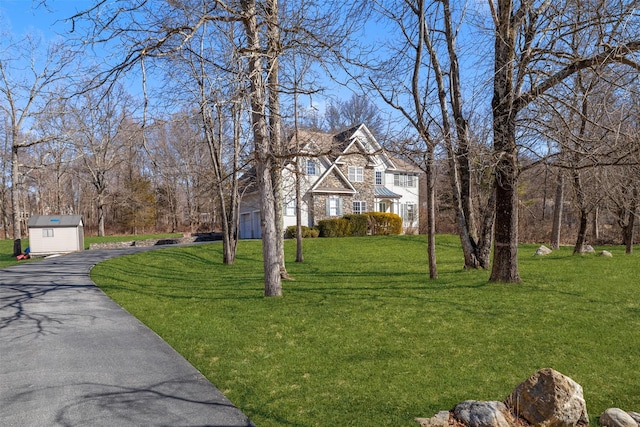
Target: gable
(333, 181)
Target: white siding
(64, 239)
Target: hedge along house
(346, 173)
(55, 234)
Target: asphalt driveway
(70, 356)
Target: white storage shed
(55, 234)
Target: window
(408, 212)
(404, 180)
(334, 206)
(411, 212)
(47, 232)
(356, 173)
(383, 207)
(290, 208)
(359, 207)
(379, 178)
(312, 168)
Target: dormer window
(312, 168)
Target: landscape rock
(474, 413)
(542, 251)
(587, 249)
(606, 254)
(616, 417)
(441, 419)
(549, 399)
(635, 416)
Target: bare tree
(100, 120)
(343, 114)
(413, 101)
(29, 79)
(531, 57)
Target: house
(55, 234)
(340, 174)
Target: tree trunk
(278, 208)
(299, 247)
(100, 206)
(505, 110)
(557, 211)
(584, 214)
(275, 123)
(505, 252)
(595, 229)
(459, 169)
(15, 201)
(262, 154)
(483, 248)
(631, 222)
(582, 232)
(431, 215)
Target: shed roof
(53, 221)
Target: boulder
(635, 416)
(474, 413)
(616, 417)
(441, 419)
(606, 254)
(587, 249)
(549, 399)
(542, 251)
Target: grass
(6, 245)
(363, 337)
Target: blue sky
(18, 17)
(21, 16)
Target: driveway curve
(70, 356)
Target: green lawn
(6, 252)
(363, 337)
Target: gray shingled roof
(53, 221)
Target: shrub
(381, 223)
(334, 227)
(359, 224)
(290, 232)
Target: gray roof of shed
(53, 221)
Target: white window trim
(379, 178)
(356, 173)
(405, 180)
(336, 208)
(315, 167)
(362, 206)
(290, 208)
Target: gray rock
(635, 416)
(587, 249)
(542, 251)
(549, 399)
(441, 419)
(606, 254)
(616, 417)
(476, 413)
